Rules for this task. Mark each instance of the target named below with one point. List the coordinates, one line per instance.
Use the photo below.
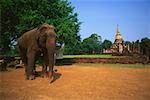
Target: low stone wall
(99, 60)
(8, 61)
(3, 65)
(14, 61)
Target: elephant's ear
(40, 31)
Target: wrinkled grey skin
(34, 42)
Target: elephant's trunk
(50, 45)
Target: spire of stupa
(118, 31)
(118, 37)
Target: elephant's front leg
(50, 72)
(30, 66)
(50, 67)
(44, 71)
(44, 67)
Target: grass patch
(88, 56)
(115, 65)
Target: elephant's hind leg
(23, 55)
(31, 66)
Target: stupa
(119, 42)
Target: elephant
(31, 44)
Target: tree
(137, 43)
(106, 44)
(8, 21)
(128, 43)
(19, 16)
(145, 46)
(92, 44)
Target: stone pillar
(133, 47)
(149, 54)
(139, 48)
(128, 48)
(120, 48)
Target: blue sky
(102, 17)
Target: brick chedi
(119, 42)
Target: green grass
(115, 65)
(89, 56)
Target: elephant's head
(46, 39)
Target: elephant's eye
(44, 35)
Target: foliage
(92, 44)
(145, 42)
(19, 16)
(106, 44)
(137, 43)
(145, 46)
(128, 43)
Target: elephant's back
(27, 38)
(30, 33)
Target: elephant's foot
(31, 77)
(44, 75)
(34, 72)
(51, 80)
(50, 77)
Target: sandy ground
(74, 82)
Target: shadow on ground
(56, 75)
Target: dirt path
(78, 83)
